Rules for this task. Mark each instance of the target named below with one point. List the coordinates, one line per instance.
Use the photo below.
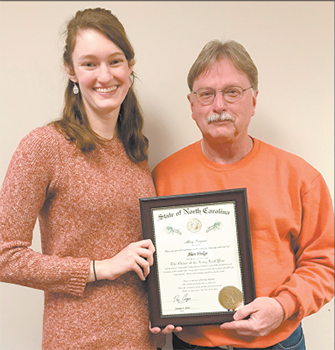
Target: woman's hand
(167, 330)
(137, 256)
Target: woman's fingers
(137, 257)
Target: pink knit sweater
(88, 208)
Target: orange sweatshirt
(291, 227)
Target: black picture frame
(239, 199)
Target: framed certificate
(203, 269)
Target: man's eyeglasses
(232, 94)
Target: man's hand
(167, 330)
(266, 314)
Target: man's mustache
(219, 117)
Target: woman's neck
(104, 125)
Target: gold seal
(194, 225)
(230, 297)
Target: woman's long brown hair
(74, 121)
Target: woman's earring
(75, 89)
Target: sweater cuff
(289, 303)
(74, 277)
(79, 278)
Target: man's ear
(254, 101)
(70, 73)
(189, 97)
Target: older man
(290, 208)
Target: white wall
(292, 44)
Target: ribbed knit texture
(291, 227)
(88, 208)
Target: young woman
(82, 176)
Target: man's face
(220, 76)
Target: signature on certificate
(181, 299)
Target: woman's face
(102, 73)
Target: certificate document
(197, 257)
(198, 269)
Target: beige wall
(292, 44)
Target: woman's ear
(70, 73)
(131, 64)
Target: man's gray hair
(215, 50)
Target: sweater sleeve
(33, 170)
(311, 286)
